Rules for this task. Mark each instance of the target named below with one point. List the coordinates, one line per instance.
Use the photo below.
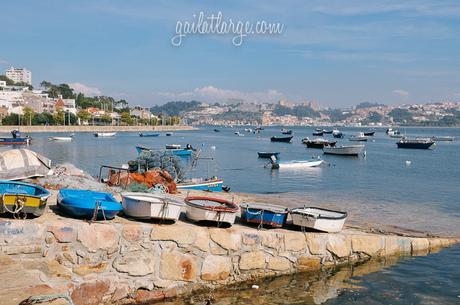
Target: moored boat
(318, 142)
(318, 133)
(216, 130)
(348, 150)
(168, 134)
(201, 208)
(281, 139)
(15, 139)
(358, 137)
(442, 138)
(369, 133)
(148, 134)
(266, 155)
(239, 134)
(337, 134)
(294, 164)
(20, 199)
(327, 131)
(199, 184)
(286, 131)
(264, 214)
(63, 139)
(418, 143)
(148, 206)
(87, 204)
(319, 219)
(173, 146)
(105, 134)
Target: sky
(337, 53)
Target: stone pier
(125, 261)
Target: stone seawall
(124, 261)
(32, 129)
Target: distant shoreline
(36, 129)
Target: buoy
(408, 162)
(255, 287)
(213, 147)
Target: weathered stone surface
(98, 236)
(90, 293)
(338, 245)
(216, 268)
(177, 266)
(132, 232)
(226, 238)
(145, 296)
(27, 249)
(316, 243)
(178, 234)
(396, 245)
(20, 232)
(120, 292)
(202, 240)
(420, 245)
(435, 243)
(63, 233)
(252, 260)
(308, 263)
(83, 270)
(251, 239)
(371, 245)
(294, 242)
(70, 257)
(278, 263)
(272, 240)
(137, 263)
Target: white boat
(201, 208)
(443, 138)
(173, 146)
(105, 134)
(239, 134)
(64, 139)
(358, 137)
(147, 206)
(300, 164)
(319, 219)
(348, 150)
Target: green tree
(44, 118)
(59, 117)
(126, 118)
(106, 118)
(9, 82)
(28, 115)
(84, 115)
(12, 119)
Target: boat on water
(337, 134)
(318, 133)
(216, 130)
(15, 139)
(359, 137)
(327, 131)
(443, 138)
(20, 199)
(286, 131)
(239, 134)
(202, 208)
(266, 155)
(418, 143)
(264, 214)
(177, 150)
(173, 146)
(394, 133)
(105, 134)
(168, 134)
(61, 139)
(199, 184)
(297, 164)
(319, 129)
(87, 204)
(148, 134)
(319, 219)
(151, 206)
(344, 150)
(281, 139)
(369, 133)
(317, 142)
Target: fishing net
(163, 161)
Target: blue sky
(338, 53)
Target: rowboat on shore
(20, 199)
(200, 184)
(348, 150)
(89, 205)
(266, 155)
(220, 211)
(418, 143)
(151, 206)
(264, 214)
(319, 219)
(105, 134)
(148, 134)
(281, 139)
(62, 139)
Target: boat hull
(63, 139)
(261, 214)
(211, 186)
(149, 206)
(219, 210)
(314, 144)
(105, 134)
(281, 139)
(300, 164)
(344, 150)
(15, 141)
(415, 145)
(267, 155)
(302, 218)
(149, 135)
(369, 134)
(32, 197)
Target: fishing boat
(177, 150)
(369, 133)
(442, 138)
(281, 139)
(239, 134)
(319, 219)
(344, 150)
(15, 139)
(87, 204)
(418, 143)
(105, 134)
(168, 134)
(199, 184)
(266, 155)
(216, 130)
(393, 133)
(318, 142)
(296, 164)
(151, 206)
(20, 199)
(173, 146)
(359, 137)
(264, 214)
(286, 131)
(327, 131)
(61, 139)
(318, 133)
(148, 134)
(319, 129)
(201, 208)
(337, 134)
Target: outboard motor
(273, 162)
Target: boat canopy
(16, 164)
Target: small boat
(177, 150)
(266, 155)
(297, 164)
(319, 129)
(348, 150)
(337, 134)
(20, 199)
(319, 219)
(281, 139)
(248, 129)
(148, 206)
(369, 133)
(239, 134)
(327, 131)
(442, 138)
(358, 137)
(264, 214)
(216, 130)
(148, 134)
(168, 134)
(87, 204)
(318, 133)
(173, 146)
(15, 139)
(63, 139)
(393, 133)
(201, 208)
(199, 184)
(318, 142)
(286, 131)
(105, 134)
(418, 143)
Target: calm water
(379, 189)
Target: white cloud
(214, 94)
(86, 90)
(400, 92)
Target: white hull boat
(105, 134)
(200, 208)
(147, 206)
(358, 137)
(300, 164)
(349, 150)
(319, 219)
(63, 139)
(443, 138)
(173, 146)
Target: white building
(18, 75)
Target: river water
(416, 189)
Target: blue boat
(88, 204)
(211, 185)
(19, 198)
(148, 134)
(180, 152)
(15, 139)
(264, 214)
